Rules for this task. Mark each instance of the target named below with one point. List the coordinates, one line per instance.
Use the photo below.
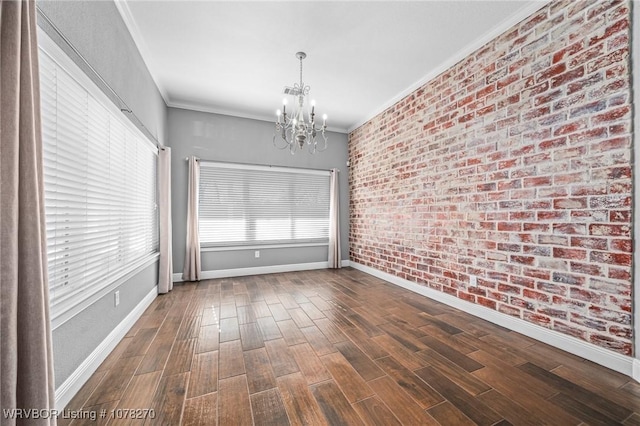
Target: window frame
(264, 244)
(74, 303)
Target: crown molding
(143, 48)
(233, 113)
(456, 57)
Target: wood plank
(400, 403)
(607, 386)
(579, 394)
(517, 376)
(204, 374)
(282, 360)
(318, 342)
(447, 413)
(268, 409)
(365, 343)
(261, 309)
(78, 400)
(246, 314)
(180, 357)
(169, 399)
(424, 394)
(139, 394)
(200, 411)
(371, 316)
(309, 363)
(157, 355)
(234, 405)
(210, 314)
(359, 361)
(319, 303)
(269, 328)
(229, 329)
(228, 310)
(260, 375)
(189, 328)
(407, 340)
(250, 336)
(278, 312)
(523, 396)
(375, 413)
(502, 352)
(350, 382)
(298, 401)
(115, 381)
(458, 358)
(140, 343)
(95, 411)
(311, 311)
(403, 355)
(470, 406)
(585, 412)
(208, 339)
(288, 301)
(334, 405)
(330, 331)
(231, 360)
(363, 324)
(300, 318)
(291, 333)
(509, 409)
(454, 372)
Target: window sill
(262, 246)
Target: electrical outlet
(256, 253)
(473, 281)
(116, 297)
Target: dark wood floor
(341, 348)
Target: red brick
(573, 254)
(567, 77)
(610, 258)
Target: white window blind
(247, 205)
(100, 189)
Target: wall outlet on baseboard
(256, 253)
(473, 281)
(116, 298)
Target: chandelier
(295, 130)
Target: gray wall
(97, 31)
(242, 140)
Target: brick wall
(513, 166)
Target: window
(100, 188)
(248, 205)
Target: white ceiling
(235, 57)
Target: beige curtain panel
(26, 362)
(192, 269)
(334, 221)
(165, 280)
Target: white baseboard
(620, 363)
(78, 378)
(636, 370)
(259, 270)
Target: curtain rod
(124, 108)
(247, 164)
